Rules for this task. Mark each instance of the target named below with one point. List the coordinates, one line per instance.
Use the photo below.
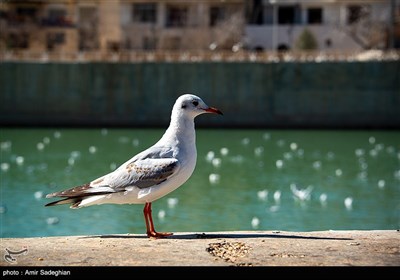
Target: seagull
(152, 173)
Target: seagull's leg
(146, 218)
(151, 232)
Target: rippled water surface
(290, 180)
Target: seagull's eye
(195, 103)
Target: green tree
(306, 41)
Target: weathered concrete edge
(232, 248)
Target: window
(3, 14)
(177, 16)
(314, 16)
(88, 28)
(54, 39)
(87, 14)
(255, 12)
(56, 17)
(354, 14)
(18, 40)
(26, 12)
(57, 14)
(269, 14)
(145, 12)
(289, 14)
(217, 15)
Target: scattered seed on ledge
(228, 251)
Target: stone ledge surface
(230, 248)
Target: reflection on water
(244, 179)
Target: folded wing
(140, 173)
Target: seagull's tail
(80, 196)
(74, 201)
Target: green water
(244, 180)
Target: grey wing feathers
(75, 195)
(82, 190)
(144, 173)
(140, 173)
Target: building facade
(38, 25)
(125, 25)
(334, 24)
(86, 25)
(181, 25)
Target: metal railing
(197, 56)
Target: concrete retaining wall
(288, 94)
(243, 248)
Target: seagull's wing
(149, 168)
(143, 173)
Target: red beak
(213, 110)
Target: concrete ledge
(243, 248)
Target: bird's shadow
(221, 235)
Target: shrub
(306, 41)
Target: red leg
(145, 212)
(151, 232)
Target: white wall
(334, 17)
(263, 36)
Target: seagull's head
(192, 105)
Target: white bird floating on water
(279, 163)
(214, 178)
(19, 160)
(381, 184)
(172, 202)
(293, 146)
(302, 194)
(216, 162)
(92, 149)
(323, 198)
(52, 220)
(4, 166)
(348, 203)
(151, 174)
(38, 195)
(40, 146)
(245, 141)
(224, 151)
(210, 156)
(277, 196)
(262, 195)
(255, 222)
(6, 145)
(161, 214)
